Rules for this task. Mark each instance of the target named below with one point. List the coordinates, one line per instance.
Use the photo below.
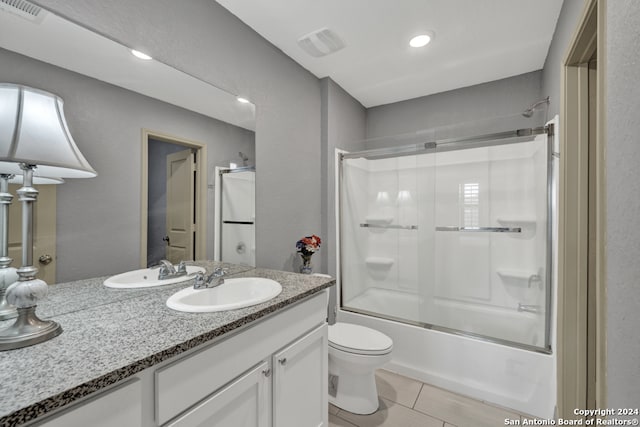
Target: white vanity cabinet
(293, 343)
(269, 373)
(289, 389)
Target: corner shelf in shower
(379, 262)
(378, 220)
(515, 275)
(528, 224)
(525, 220)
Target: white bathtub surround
(445, 251)
(409, 224)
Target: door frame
(200, 225)
(582, 202)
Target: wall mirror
(118, 106)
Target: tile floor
(405, 402)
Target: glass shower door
(384, 257)
(451, 236)
(491, 241)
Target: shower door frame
(518, 136)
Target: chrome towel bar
(481, 229)
(400, 227)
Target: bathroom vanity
(125, 359)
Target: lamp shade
(33, 130)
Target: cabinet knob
(283, 361)
(267, 372)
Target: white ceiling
(475, 41)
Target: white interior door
(180, 206)
(44, 232)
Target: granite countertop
(111, 334)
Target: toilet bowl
(355, 352)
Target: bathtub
(518, 379)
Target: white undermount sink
(232, 294)
(147, 277)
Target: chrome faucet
(529, 308)
(168, 270)
(211, 281)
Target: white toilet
(355, 352)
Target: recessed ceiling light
(140, 55)
(242, 100)
(420, 40)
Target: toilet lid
(358, 339)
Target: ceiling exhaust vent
(321, 42)
(23, 9)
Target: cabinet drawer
(121, 406)
(188, 380)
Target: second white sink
(232, 294)
(147, 277)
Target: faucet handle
(166, 269)
(219, 271)
(182, 268)
(200, 281)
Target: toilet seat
(359, 339)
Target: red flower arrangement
(307, 246)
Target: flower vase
(306, 265)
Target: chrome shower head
(529, 111)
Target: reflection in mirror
(113, 102)
(235, 215)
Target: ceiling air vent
(321, 42)
(23, 9)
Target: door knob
(45, 259)
(166, 239)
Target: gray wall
(205, 40)
(623, 203)
(567, 21)
(98, 219)
(471, 110)
(343, 126)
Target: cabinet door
(301, 382)
(243, 403)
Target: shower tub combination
(447, 248)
